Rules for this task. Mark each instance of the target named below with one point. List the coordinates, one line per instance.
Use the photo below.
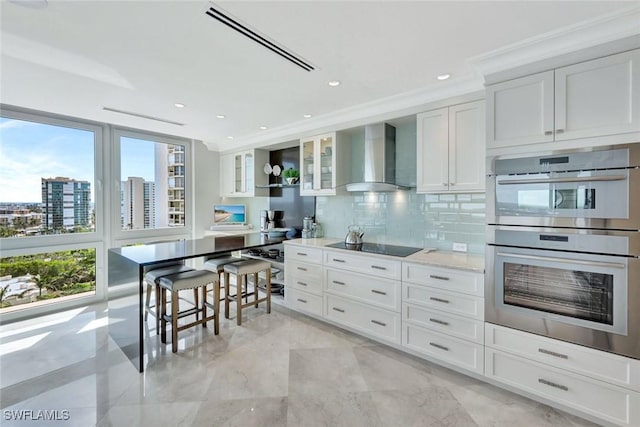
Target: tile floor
(282, 369)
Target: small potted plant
(291, 175)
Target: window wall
(69, 190)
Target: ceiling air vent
(143, 116)
(253, 35)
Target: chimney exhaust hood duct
(379, 160)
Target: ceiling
(77, 57)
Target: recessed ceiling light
(220, 116)
(443, 76)
(263, 128)
(229, 137)
(179, 105)
(334, 83)
(306, 116)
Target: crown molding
(603, 29)
(407, 103)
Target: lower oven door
(578, 289)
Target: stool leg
(163, 308)
(239, 297)
(255, 289)
(157, 287)
(147, 303)
(268, 290)
(226, 295)
(174, 321)
(216, 307)
(196, 302)
(246, 287)
(204, 305)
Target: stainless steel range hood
(379, 160)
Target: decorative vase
(291, 181)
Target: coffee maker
(270, 219)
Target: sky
(30, 151)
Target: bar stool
(242, 269)
(151, 278)
(174, 283)
(217, 263)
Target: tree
(3, 295)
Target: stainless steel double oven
(564, 246)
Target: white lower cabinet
(466, 354)
(605, 401)
(601, 384)
(380, 323)
(444, 323)
(303, 301)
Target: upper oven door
(578, 190)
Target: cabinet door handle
(445, 184)
(375, 291)
(441, 347)
(301, 253)
(302, 283)
(553, 353)
(548, 132)
(337, 282)
(435, 276)
(446, 301)
(452, 183)
(302, 269)
(559, 130)
(338, 309)
(304, 301)
(441, 322)
(552, 384)
(378, 267)
(378, 323)
(338, 260)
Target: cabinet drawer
(374, 321)
(605, 401)
(448, 349)
(380, 267)
(596, 364)
(444, 278)
(303, 301)
(450, 324)
(368, 289)
(304, 254)
(449, 302)
(306, 277)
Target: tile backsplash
(407, 218)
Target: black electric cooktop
(379, 248)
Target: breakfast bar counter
(126, 269)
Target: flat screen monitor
(229, 214)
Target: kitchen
(435, 214)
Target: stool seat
(187, 280)
(249, 266)
(192, 279)
(153, 275)
(217, 264)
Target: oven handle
(571, 179)
(564, 260)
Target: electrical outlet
(459, 247)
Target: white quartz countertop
(436, 258)
(445, 259)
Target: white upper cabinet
(600, 97)
(241, 174)
(586, 100)
(520, 111)
(451, 149)
(324, 165)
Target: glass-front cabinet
(239, 176)
(318, 160)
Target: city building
(66, 203)
(169, 192)
(138, 204)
